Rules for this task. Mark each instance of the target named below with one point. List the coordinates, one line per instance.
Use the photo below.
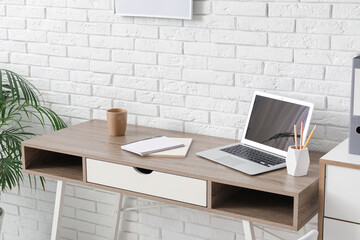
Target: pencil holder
(297, 161)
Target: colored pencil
(295, 136)
(308, 140)
(301, 135)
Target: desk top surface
(91, 139)
(340, 156)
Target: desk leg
(59, 199)
(248, 230)
(116, 221)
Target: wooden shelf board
(260, 205)
(58, 172)
(58, 165)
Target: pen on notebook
(301, 135)
(295, 136)
(308, 140)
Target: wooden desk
(272, 198)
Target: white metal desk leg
(248, 230)
(59, 199)
(116, 221)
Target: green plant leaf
(56, 122)
(2, 99)
(20, 88)
(10, 174)
(19, 101)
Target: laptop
(267, 135)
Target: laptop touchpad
(230, 161)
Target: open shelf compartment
(265, 206)
(49, 163)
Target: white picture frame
(177, 9)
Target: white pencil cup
(297, 161)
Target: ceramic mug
(297, 161)
(116, 121)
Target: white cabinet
(339, 194)
(340, 230)
(169, 186)
(342, 193)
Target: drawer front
(164, 185)
(339, 230)
(342, 193)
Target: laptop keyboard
(254, 155)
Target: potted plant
(20, 102)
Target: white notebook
(152, 145)
(180, 152)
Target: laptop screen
(272, 122)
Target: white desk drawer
(342, 193)
(174, 187)
(339, 230)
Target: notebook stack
(160, 146)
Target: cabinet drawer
(339, 230)
(164, 185)
(342, 193)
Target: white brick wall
(195, 76)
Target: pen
(307, 141)
(301, 135)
